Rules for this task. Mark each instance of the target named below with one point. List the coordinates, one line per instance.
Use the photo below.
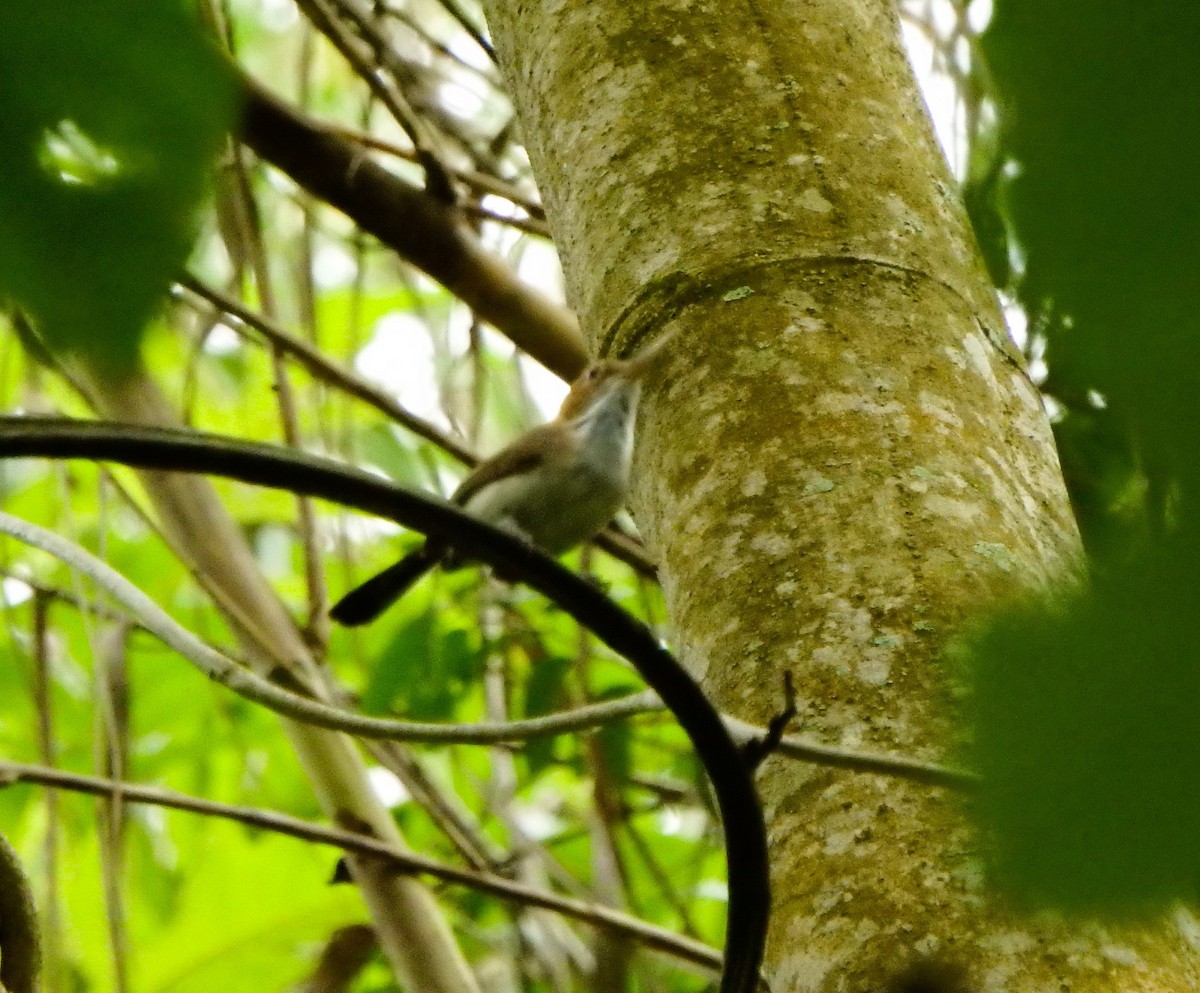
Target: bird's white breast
(568, 498)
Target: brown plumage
(557, 484)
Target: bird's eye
(593, 372)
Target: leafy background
(1085, 713)
(1075, 129)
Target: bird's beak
(637, 366)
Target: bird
(557, 485)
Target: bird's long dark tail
(370, 599)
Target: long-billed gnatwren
(558, 484)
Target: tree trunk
(846, 462)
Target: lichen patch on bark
(843, 463)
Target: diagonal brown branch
(425, 230)
(399, 860)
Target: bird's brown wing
(366, 602)
(524, 454)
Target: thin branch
(481, 182)
(547, 940)
(613, 540)
(790, 746)
(757, 750)
(413, 24)
(647, 934)
(539, 229)
(668, 890)
(51, 903)
(51, 592)
(324, 368)
(111, 755)
(610, 872)
(383, 81)
(472, 844)
(424, 230)
(596, 715)
(455, 10)
(344, 956)
(418, 85)
(224, 670)
(317, 625)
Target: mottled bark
(847, 461)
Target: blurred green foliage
(1087, 713)
(1086, 737)
(110, 114)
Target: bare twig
(454, 9)
(756, 750)
(224, 670)
(469, 842)
(613, 540)
(595, 715)
(539, 229)
(383, 82)
(647, 934)
(324, 368)
(426, 231)
(929, 773)
(481, 182)
(413, 24)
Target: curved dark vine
(315, 476)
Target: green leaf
(424, 670)
(1097, 103)
(1086, 736)
(392, 677)
(382, 446)
(110, 113)
(615, 743)
(544, 688)
(219, 938)
(543, 695)
(1086, 716)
